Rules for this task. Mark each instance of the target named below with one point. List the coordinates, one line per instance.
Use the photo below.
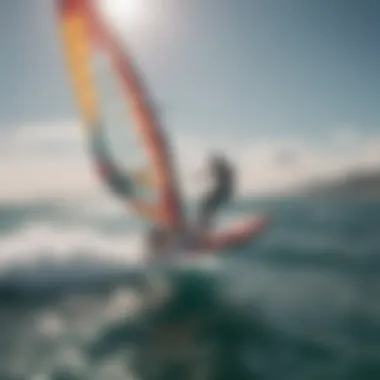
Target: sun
(122, 12)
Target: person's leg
(210, 205)
(204, 210)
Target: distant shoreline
(363, 185)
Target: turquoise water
(301, 302)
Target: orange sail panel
(129, 146)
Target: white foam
(40, 241)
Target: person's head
(217, 159)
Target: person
(222, 173)
(161, 241)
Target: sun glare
(122, 12)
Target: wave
(38, 241)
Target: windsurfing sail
(130, 150)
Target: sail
(129, 146)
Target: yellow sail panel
(78, 55)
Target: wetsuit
(223, 175)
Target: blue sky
(252, 77)
(244, 67)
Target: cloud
(51, 161)
(45, 161)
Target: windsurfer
(161, 241)
(223, 176)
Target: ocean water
(77, 300)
